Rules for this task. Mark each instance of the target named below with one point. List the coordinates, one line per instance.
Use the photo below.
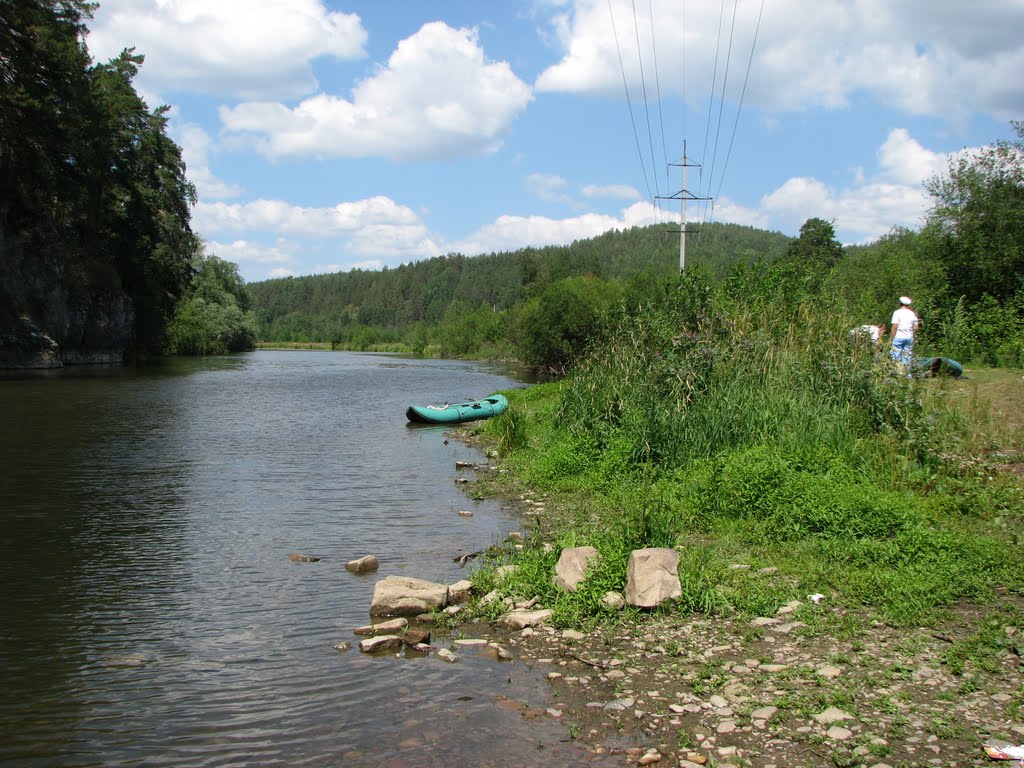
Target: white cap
(904, 299)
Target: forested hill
(331, 307)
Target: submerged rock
(380, 644)
(297, 558)
(365, 564)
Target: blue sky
(325, 135)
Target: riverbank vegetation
(714, 423)
(213, 317)
(964, 270)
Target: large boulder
(572, 567)
(406, 596)
(652, 577)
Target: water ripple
(152, 616)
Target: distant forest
(363, 308)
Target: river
(151, 615)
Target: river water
(150, 613)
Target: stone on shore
(832, 715)
(406, 596)
(366, 564)
(390, 627)
(459, 592)
(524, 619)
(380, 644)
(652, 577)
(502, 572)
(613, 600)
(572, 566)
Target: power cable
(657, 83)
(625, 85)
(683, 54)
(643, 90)
(711, 96)
(743, 92)
(721, 100)
(714, 79)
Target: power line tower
(682, 196)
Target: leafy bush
(465, 329)
(556, 327)
(202, 327)
(785, 498)
(214, 316)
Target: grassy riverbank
(736, 442)
(905, 541)
(779, 466)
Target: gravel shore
(779, 691)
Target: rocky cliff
(57, 309)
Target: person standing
(901, 333)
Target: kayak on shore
(456, 413)
(930, 367)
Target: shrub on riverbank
(742, 425)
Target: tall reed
(680, 382)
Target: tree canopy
(87, 170)
(978, 216)
(213, 318)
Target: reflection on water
(151, 614)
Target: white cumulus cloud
(196, 146)
(867, 208)
(944, 58)
(438, 96)
(227, 47)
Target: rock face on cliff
(56, 310)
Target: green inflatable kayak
(495, 405)
(928, 367)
